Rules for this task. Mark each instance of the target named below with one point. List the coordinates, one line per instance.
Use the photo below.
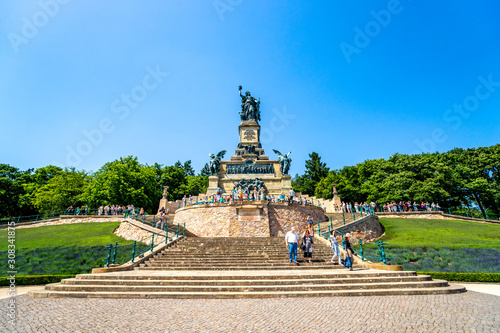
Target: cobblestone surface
(468, 312)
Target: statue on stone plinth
(165, 188)
(215, 162)
(249, 107)
(284, 160)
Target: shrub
(464, 277)
(25, 280)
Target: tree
(61, 191)
(122, 182)
(205, 171)
(315, 171)
(188, 168)
(11, 190)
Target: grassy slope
(67, 235)
(440, 233)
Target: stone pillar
(213, 185)
(286, 184)
(163, 200)
(336, 199)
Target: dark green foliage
(458, 178)
(35, 279)
(464, 277)
(315, 171)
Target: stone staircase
(242, 268)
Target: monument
(250, 167)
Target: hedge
(464, 277)
(34, 279)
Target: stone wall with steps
(246, 219)
(242, 268)
(368, 229)
(131, 231)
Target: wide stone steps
(245, 288)
(245, 282)
(228, 295)
(275, 275)
(242, 268)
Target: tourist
(349, 253)
(334, 244)
(307, 241)
(309, 222)
(161, 221)
(291, 239)
(184, 201)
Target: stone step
(246, 288)
(218, 256)
(281, 259)
(274, 294)
(332, 274)
(237, 262)
(240, 282)
(218, 268)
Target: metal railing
(381, 257)
(119, 254)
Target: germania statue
(249, 107)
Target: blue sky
(351, 81)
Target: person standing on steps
(291, 239)
(310, 224)
(335, 246)
(307, 240)
(349, 252)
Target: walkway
(466, 312)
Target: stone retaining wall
(246, 219)
(68, 220)
(367, 228)
(433, 215)
(131, 231)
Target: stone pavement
(467, 312)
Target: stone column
(336, 199)
(163, 200)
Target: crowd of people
(307, 246)
(105, 210)
(374, 206)
(244, 194)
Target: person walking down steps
(335, 246)
(349, 253)
(291, 239)
(307, 245)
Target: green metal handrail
(138, 248)
(381, 252)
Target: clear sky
(85, 82)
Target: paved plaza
(466, 312)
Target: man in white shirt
(291, 239)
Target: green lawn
(424, 233)
(66, 235)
